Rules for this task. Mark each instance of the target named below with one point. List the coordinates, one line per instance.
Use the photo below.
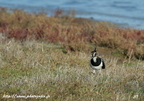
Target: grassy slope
(56, 62)
(40, 68)
(74, 34)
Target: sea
(126, 13)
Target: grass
(73, 34)
(49, 56)
(40, 68)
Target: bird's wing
(103, 67)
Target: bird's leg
(94, 71)
(99, 71)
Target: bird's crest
(94, 52)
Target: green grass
(117, 53)
(41, 68)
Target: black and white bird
(96, 62)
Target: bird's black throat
(97, 63)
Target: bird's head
(94, 53)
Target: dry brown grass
(73, 34)
(41, 68)
(42, 55)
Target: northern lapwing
(96, 62)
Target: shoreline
(79, 14)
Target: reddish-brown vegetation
(74, 34)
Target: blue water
(129, 13)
